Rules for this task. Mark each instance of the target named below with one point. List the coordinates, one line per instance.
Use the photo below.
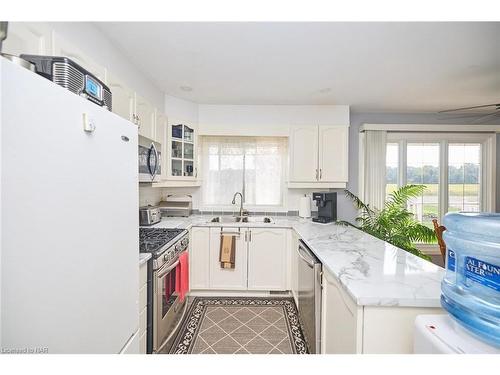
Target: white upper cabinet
(319, 156)
(145, 113)
(128, 104)
(161, 124)
(28, 38)
(333, 152)
(267, 259)
(64, 48)
(123, 101)
(304, 153)
(181, 149)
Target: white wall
(181, 110)
(274, 120)
(149, 195)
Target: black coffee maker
(327, 207)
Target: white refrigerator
(69, 222)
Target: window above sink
(254, 166)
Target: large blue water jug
(471, 286)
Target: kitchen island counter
(373, 272)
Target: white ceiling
(393, 67)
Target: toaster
(149, 215)
(68, 74)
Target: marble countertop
(372, 272)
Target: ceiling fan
(469, 112)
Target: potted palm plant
(394, 223)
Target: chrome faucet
(241, 202)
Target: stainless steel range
(167, 310)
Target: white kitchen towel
(305, 207)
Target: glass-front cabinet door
(182, 152)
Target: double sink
(242, 219)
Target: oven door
(167, 309)
(149, 160)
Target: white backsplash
(149, 195)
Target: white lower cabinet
(347, 328)
(260, 259)
(267, 259)
(341, 321)
(199, 258)
(228, 278)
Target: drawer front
(143, 297)
(143, 320)
(142, 343)
(143, 274)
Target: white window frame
(488, 162)
(250, 207)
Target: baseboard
(238, 293)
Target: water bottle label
(483, 273)
(451, 260)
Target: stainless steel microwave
(149, 160)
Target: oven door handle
(168, 269)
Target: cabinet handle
(246, 236)
(196, 173)
(249, 236)
(316, 173)
(320, 173)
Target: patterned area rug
(226, 325)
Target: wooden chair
(439, 229)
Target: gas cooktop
(152, 240)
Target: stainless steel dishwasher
(309, 297)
